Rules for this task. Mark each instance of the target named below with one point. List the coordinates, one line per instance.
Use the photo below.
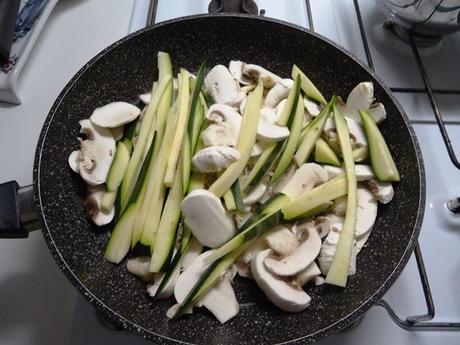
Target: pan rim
(146, 333)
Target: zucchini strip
(292, 140)
(135, 162)
(325, 192)
(307, 86)
(325, 154)
(236, 192)
(181, 125)
(338, 272)
(246, 140)
(382, 161)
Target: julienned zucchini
(338, 272)
(325, 192)
(115, 175)
(181, 126)
(325, 154)
(292, 140)
(236, 192)
(135, 162)
(311, 134)
(381, 159)
(307, 86)
(246, 141)
(268, 158)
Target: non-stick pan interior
(127, 69)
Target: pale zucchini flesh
(338, 272)
(246, 140)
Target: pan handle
(17, 211)
(233, 6)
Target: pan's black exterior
(126, 69)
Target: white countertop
(36, 300)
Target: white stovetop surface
(38, 305)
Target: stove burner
(233, 6)
(421, 40)
(454, 205)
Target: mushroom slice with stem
(306, 275)
(256, 72)
(322, 225)
(243, 263)
(281, 241)
(383, 191)
(208, 220)
(362, 97)
(139, 266)
(93, 206)
(214, 158)
(303, 256)
(219, 83)
(114, 114)
(96, 153)
(356, 131)
(285, 295)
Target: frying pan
(127, 68)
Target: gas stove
(426, 83)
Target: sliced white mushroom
(219, 83)
(281, 241)
(339, 207)
(96, 153)
(255, 194)
(241, 218)
(221, 300)
(194, 250)
(139, 267)
(361, 97)
(357, 135)
(269, 115)
(256, 72)
(319, 280)
(312, 107)
(242, 106)
(321, 224)
(366, 213)
(378, 112)
(303, 256)
(168, 289)
(145, 97)
(173, 310)
(306, 275)
(243, 263)
(93, 206)
(383, 191)
(308, 176)
(328, 248)
(363, 172)
(114, 114)
(277, 93)
(219, 134)
(287, 296)
(236, 69)
(117, 132)
(361, 241)
(208, 220)
(73, 161)
(257, 150)
(214, 158)
(280, 107)
(284, 180)
(271, 132)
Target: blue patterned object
(27, 16)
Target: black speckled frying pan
(128, 68)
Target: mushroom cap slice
(140, 267)
(114, 114)
(117, 132)
(312, 108)
(378, 112)
(288, 297)
(255, 194)
(145, 97)
(219, 83)
(281, 241)
(366, 212)
(361, 97)
(256, 72)
(73, 161)
(208, 220)
(303, 256)
(214, 158)
(271, 132)
(168, 290)
(243, 263)
(277, 93)
(194, 250)
(280, 107)
(308, 176)
(93, 206)
(321, 224)
(96, 153)
(363, 172)
(236, 69)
